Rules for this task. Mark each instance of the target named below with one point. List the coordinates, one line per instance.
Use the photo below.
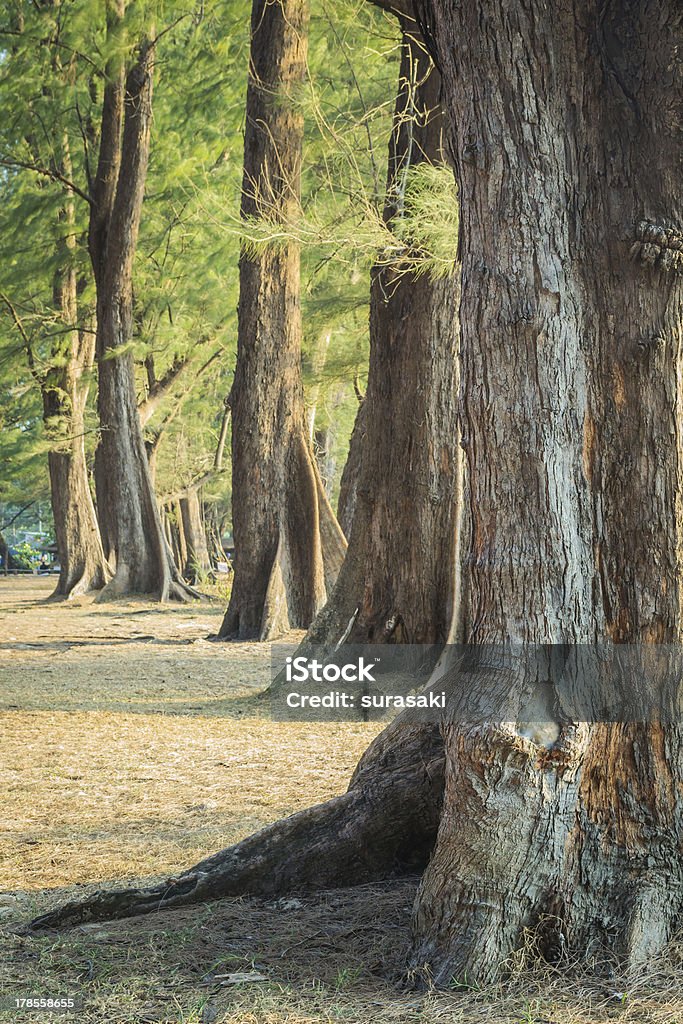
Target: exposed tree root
(385, 824)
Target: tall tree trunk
(197, 562)
(179, 543)
(348, 485)
(288, 546)
(81, 558)
(83, 566)
(397, 582)
(132, 524)
(572, 312)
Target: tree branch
(399, 8)
(223, 435)
(25, 338)
(46, 172)
(162, 387)
(15, 517)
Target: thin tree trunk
(83, 566)
(571, 318)
(348, 485)
(288, 546)
(81, 558)
(197, 562)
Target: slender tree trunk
(131, 520)
(83, 566)
(197, 562)
(81, 558)
(288, 546)
(569, 174)
(179, 543)
(348, 485)
(397, 582)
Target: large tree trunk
(131, 520)
(397, 582)
(288, 545)
(569, 173)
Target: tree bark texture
(64, 391)
(567, 130)
(129, 514)
(288, 545)
(348, 485)
(401, 491)
(197, 562)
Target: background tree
(288, 544)
(43, 308)
(398, 578)
(143, 562)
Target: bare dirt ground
(130, 747)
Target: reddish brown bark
(572, 306)
(402, 490)
(288, 545)
(129, 515)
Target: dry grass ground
(131, 747)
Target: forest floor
(132, 746)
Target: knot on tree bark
(659, 246)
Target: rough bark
(65, 390)
(569, 175)
(131, 523)
(397, 582)
(288, 546)
(197, 562)
(348, 485)
(385, 824)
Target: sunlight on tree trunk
(402, 491)
(571, 364)
(288, 545)
(130, 517)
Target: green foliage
(25, 556)
(54, 60)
